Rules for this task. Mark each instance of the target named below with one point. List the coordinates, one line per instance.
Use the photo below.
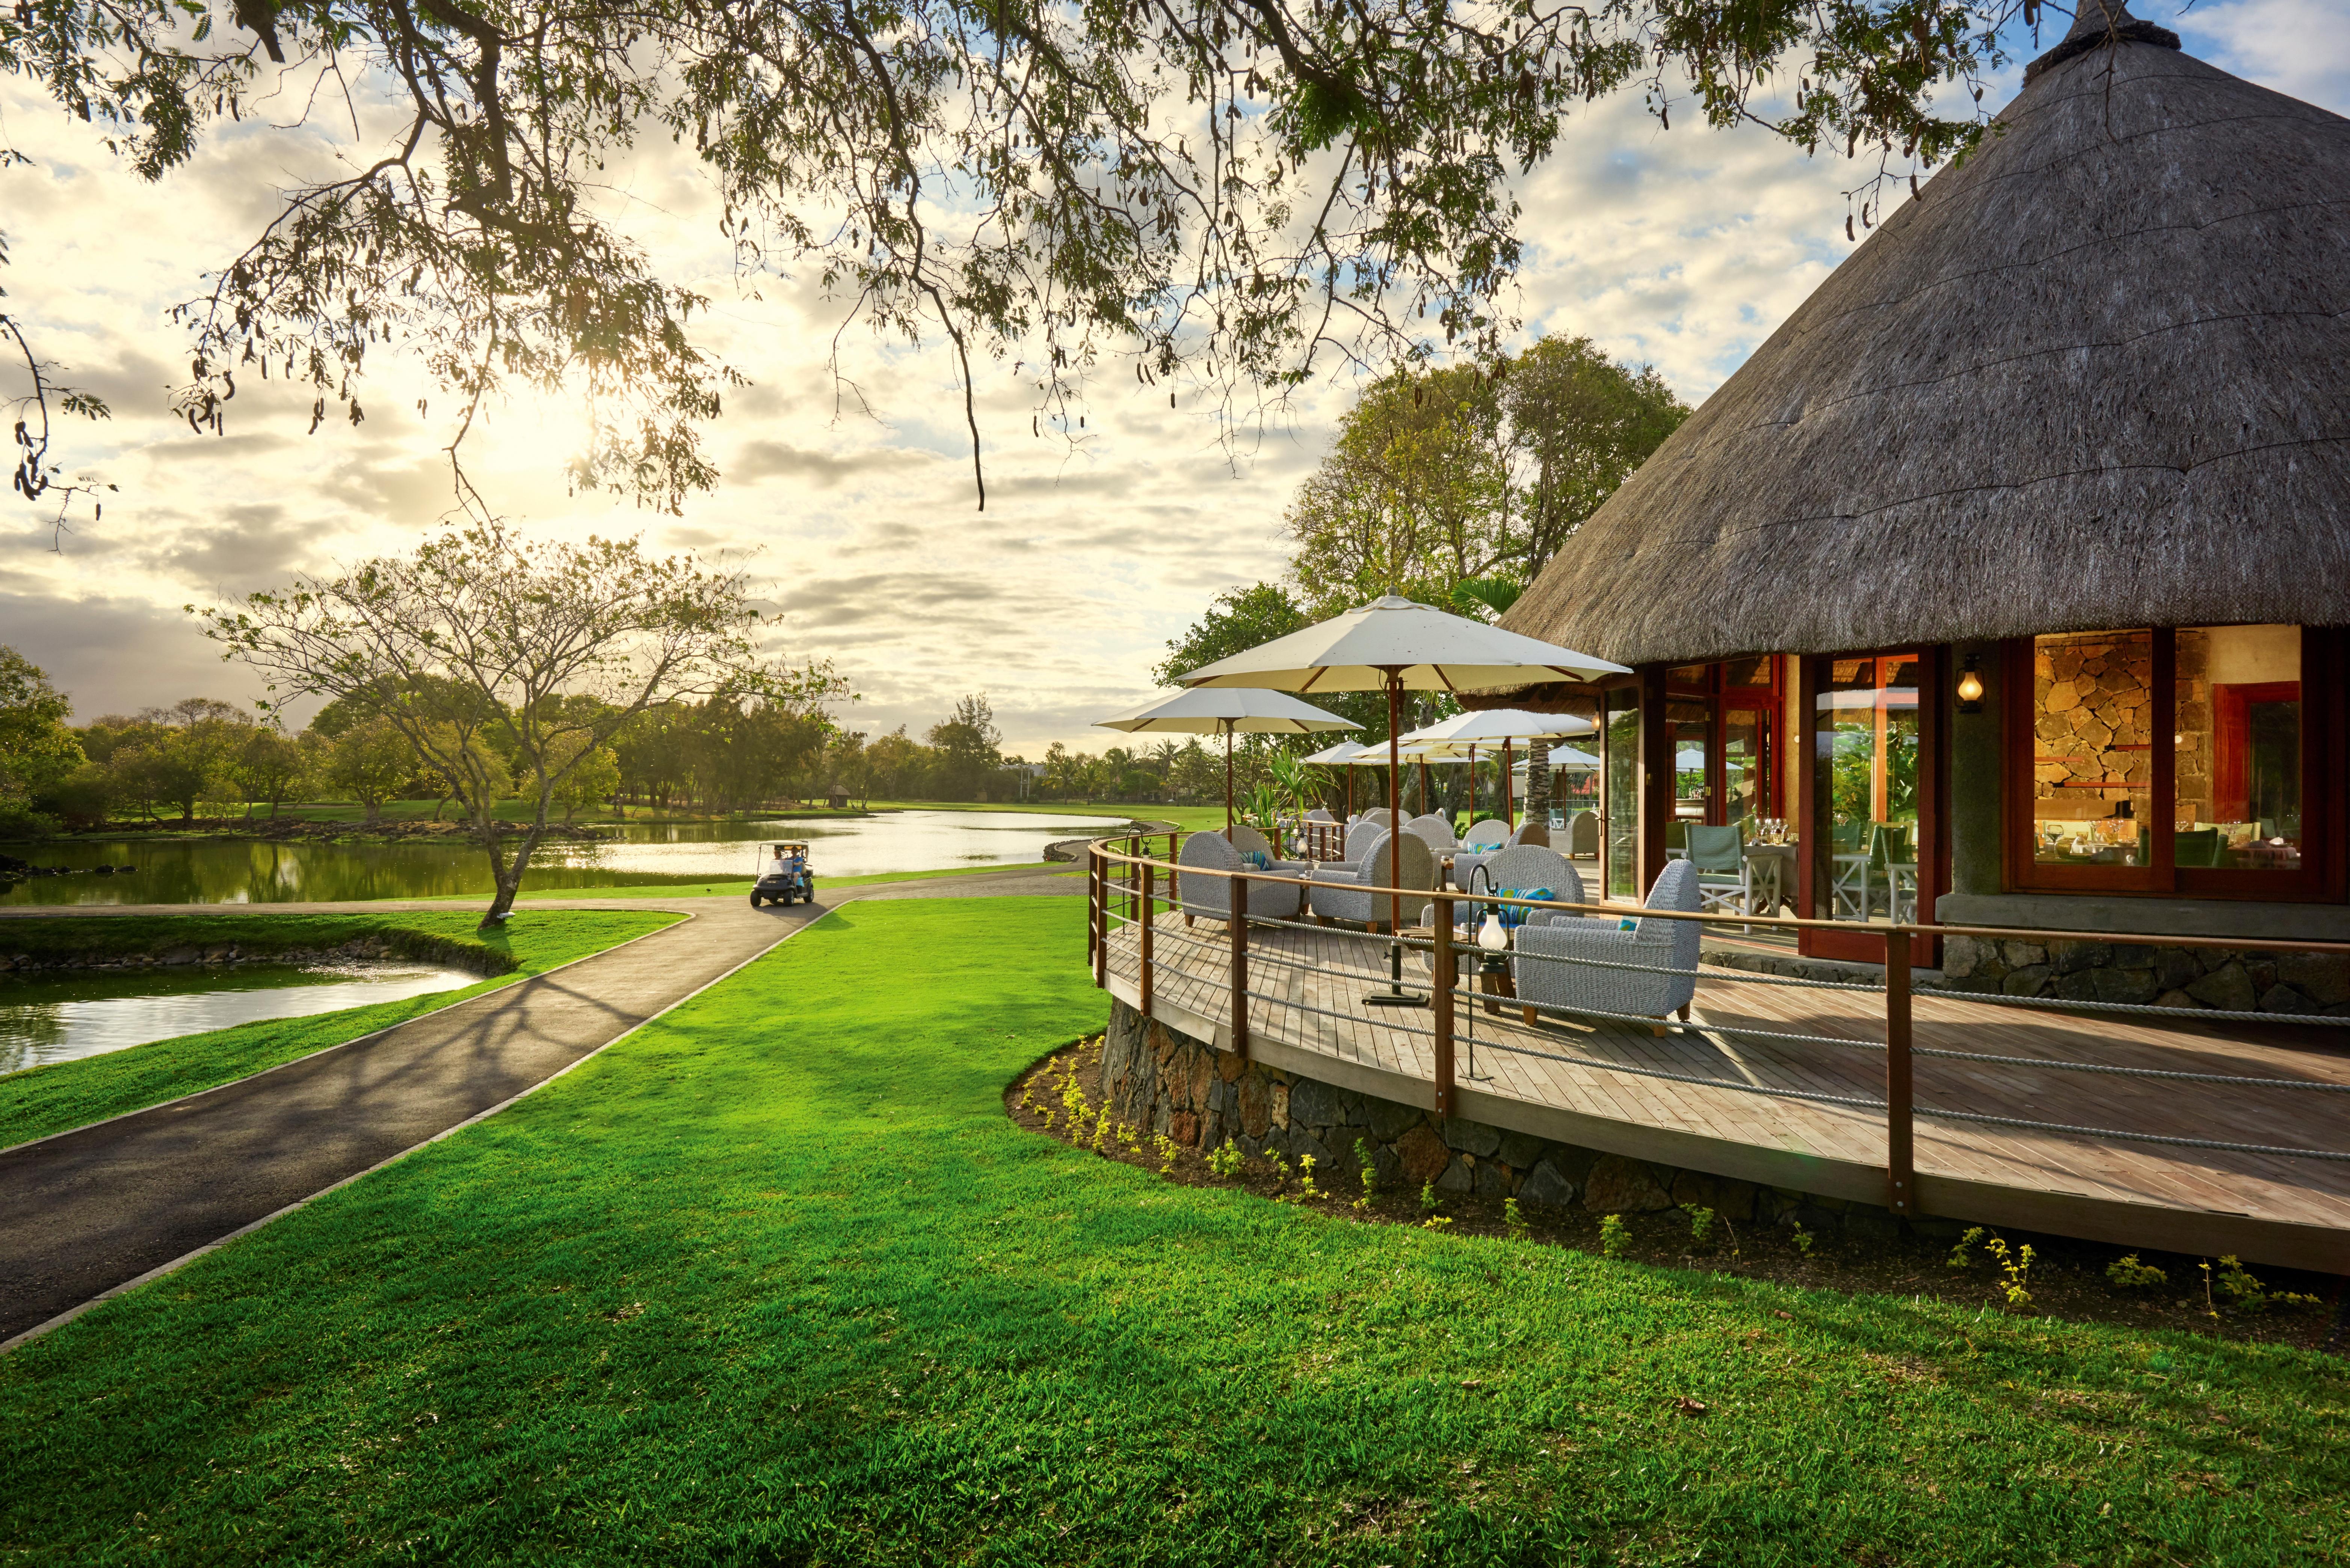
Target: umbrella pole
(1472, 782)
(1395, 996)
(1509, 806)
(1228, 781)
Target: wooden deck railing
(1122, 871)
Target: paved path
(89, 1209)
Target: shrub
(1612, 1238)
(2129, 1274)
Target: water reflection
(241, 871)
(55, 1018)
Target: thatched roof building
(2098, 375)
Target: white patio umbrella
(1350, 755)
(1484, 726)
(1393, 645)
(1206, 712)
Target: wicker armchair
(1533, 833)
(1246, 838)
(1529, 866)
(1435, 830)
(1276, 896)
(1666, 951)
(1341, 892)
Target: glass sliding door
(1620, 856)
(1745, 764)
(1864, 829)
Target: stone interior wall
(2095, 701)
(1202, 1097)
(2246, 981)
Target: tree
(1457, 486)
(476, 636)
(180, 755)
(36, 751)
(589, 779)
(1229, 194)
(271, 766)
(371, 761)
(967, 743)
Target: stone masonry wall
(2248, 981)
(1202, 1097)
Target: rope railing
(1123, 890)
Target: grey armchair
(1583, 835)
(1666, 951)
(1246, 838)
(1534, 833)
(1275, 895)
(1341, 892)
(1529, 866)
(1434, 829)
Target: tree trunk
(374, 812)
(506, 872)
(1537, 781)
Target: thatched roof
(2098, 376)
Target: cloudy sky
(1683, 249)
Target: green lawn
(773, 1281)
(740, 888)
(45, 1100)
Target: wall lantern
(1970, 687)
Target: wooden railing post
(1239, 927)
(1149, 924)
(1099, 897)
(1900, 1154)
(1133, 877)
(1442, 961)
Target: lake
(58, 1017)
(245, 871)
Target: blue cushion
(1514, 914)
(1256, 860)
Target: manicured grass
(65, 1094)
(775, 1281)
(741, 888)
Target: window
(2164, 761)
(2238, 742)
(2093, 748)
(1623, 792)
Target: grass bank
(776, 1280)
(740, 888)
(64, 1094)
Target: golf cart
(794, 882)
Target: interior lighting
(1970, 687)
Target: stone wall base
(1158, 1078)
(2246, 981)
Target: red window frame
(2321, 876)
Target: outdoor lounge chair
(1583, 835)
(1320, 813)
(1275, 897)
(1524, 867)
(1340, 892)
(1434, 830)
(1534, 833)
(1725, 877)
(1246, 838)
(1487, 833)
(1665, 953)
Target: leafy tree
(36, 751)
(1580, 424)
(180, 755)
(1457, 486)
(1229, 193)
(271, 766)
(588, 780)
(371, 761)
(968, 745)
(509, 625)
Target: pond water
(55, 1018)
(245, 871)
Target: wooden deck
(1306, 1016)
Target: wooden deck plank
(1192, 971)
